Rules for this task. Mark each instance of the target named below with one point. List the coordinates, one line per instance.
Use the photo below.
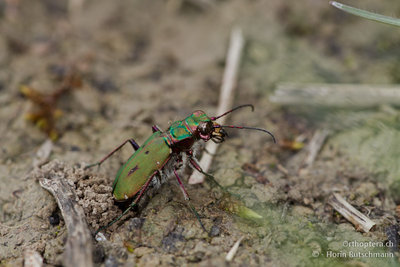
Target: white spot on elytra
(158, 163)
(125, 196)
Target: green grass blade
(366, 14)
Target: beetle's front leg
(196, 166)
(131, 141)
(194, 163)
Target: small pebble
(135, 223)
(215, 231)
(100, 237)
(111, 262)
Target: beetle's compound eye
(205, 128)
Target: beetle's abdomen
(149, 158)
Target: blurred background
(89, 74)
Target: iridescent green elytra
(144, 163)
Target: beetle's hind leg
(132, 205)
(186, 195)
(131, 141)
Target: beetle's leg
(194, 163)
(115, 220)
(155, 128)
(196, 166)
(144, 187)
(132, 205)
(131, 141)
(133, 144)
(186, 195)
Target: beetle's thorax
(181, 135)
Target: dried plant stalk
(314, 146)
(336, 95)
(43, 153)
(225, 99)
(78, 249)
(234, 249)
(360, 221)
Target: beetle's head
(211, 130)
(205, 128)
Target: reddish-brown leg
(186, 195)
(131, 141)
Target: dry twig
(43, 153)
(360, 221)
(225, 98)
(78, 250)
(336, 95)
(313, 147)
(234, 249)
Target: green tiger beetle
(164, 150)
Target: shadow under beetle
(134, 177)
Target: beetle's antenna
(248, 128)
(229, 111)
